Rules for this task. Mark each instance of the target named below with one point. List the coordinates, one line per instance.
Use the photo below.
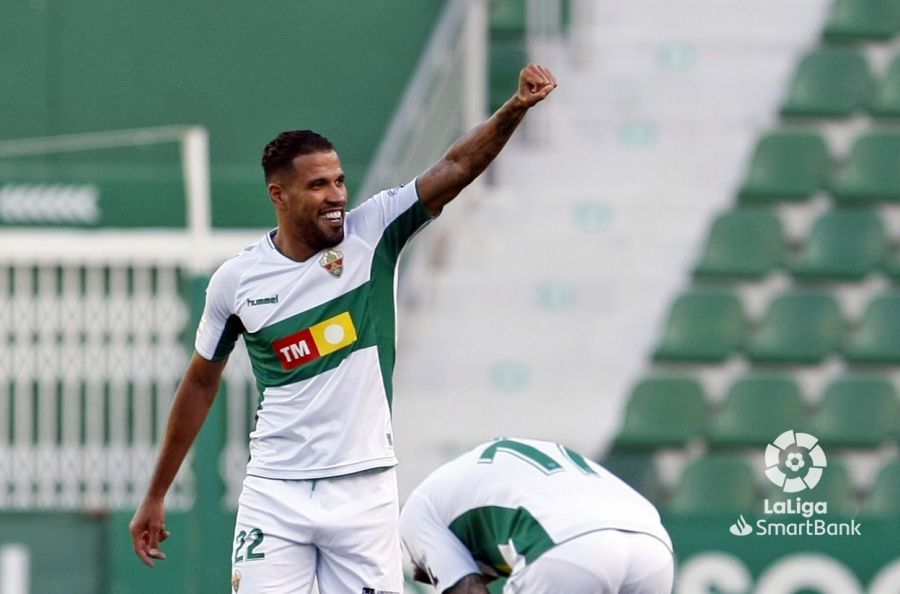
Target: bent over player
(540, 514)
(314, 302)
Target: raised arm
(193, 400)
(471, 154)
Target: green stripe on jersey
(268, 368)
(384, 267)
(490, 532)
(371, 308)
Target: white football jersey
(497, 508)
(321, 339)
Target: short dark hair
(279, 153)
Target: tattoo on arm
(469, 156)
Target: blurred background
(690, 249)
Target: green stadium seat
(756, 409)
(829, 82)
(884, 499)
(886, 101)
(857, 411)
(844, 245)
(703, 326)
(742, 244)
(863, 19)
(800, 327)
(786, 165)
(639, 471)
(715, 485)
(876, 342)
(663, 411)
(872, 172)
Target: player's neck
(292, 248)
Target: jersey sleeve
(219, 326)
(390, 218)
(432, 546)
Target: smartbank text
(806, 527)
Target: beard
(316, 237)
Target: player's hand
(148, 529)
(535, 83)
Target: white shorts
(340, 531)
(602, 562)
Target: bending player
(540, 514)
(314, 301)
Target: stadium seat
(756, 409)
(742, 244)
(703, 326)
(799, 327)
(829, 82)
(872, 172)
(844, 245)
(857, 411)
(786, 165)
(884, 499)
(715, 485)
(886, 101)
(664, 411)
(863, 19)
(639, 471)
(875, 341)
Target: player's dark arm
(470, 155)
(471, 584)
(193, 400)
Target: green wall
(245, 70)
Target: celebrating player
(542, 515)
(314, 301)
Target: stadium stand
(884, 499)
(715, 485)
(872, 172)
(886, 101)
(703, 325)
(829, 82)
(852, 20)
(800, 327)
(786, 165)
(875, 340)
(756, 407)
(857, 412)
(663, 411)
(742, 244)
(843, 245)
(845, 254)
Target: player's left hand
(535, 83)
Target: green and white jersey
(321, 340)
(497, 508)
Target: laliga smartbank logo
(795, 462)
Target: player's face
(315, 199)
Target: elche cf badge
(333, 261)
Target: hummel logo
(263, 301)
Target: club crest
(333, 261)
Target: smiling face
(310, 200)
